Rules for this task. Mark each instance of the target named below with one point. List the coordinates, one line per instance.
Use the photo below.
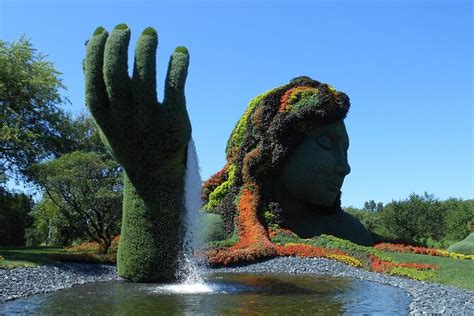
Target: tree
(14, 218)
(416, 218)
(458, 214)
(87, 191)
(81, 134)
(372, 206)
(51, 227)
(31, 122)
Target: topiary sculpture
(465, 246)
(286, 162)
(149, 139)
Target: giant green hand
(149, 139)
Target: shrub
(93, 247)
(465, 246)
(212, 227)
(416, 218)
(458, 214)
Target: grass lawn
(455, 272)
(28, 257)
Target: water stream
(190, 273)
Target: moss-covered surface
(149, 139)
(465, 246)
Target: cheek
(322, 162)
(304, 176)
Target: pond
(222, 294)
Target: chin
(325, 204)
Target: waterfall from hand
(189, 273)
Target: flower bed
(283, 242)
(421, 250)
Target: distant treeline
(418, 219)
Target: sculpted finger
(117, 81)
(96, 95)
(176, 118)
(176, 78)
(144, 69)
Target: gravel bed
(22, 282)
(426, 297)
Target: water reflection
(231, 294)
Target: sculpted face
(315, 170)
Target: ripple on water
(268, 294)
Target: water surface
(222, 294)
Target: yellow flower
(345, 259)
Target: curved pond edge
(426, 297)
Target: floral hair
(272, 125)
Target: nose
(343, 169)
(342, 166)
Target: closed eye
(325, 142)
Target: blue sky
(406, 65)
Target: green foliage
(51, 227)
(30, 120)
(121, 26)
(149, 31)
(415, 218)
(270, 218)
(149, 139)
(373, 222)
(99, 30)
(82, 134)
(85, 189)
(216, 196)
(458, 214)
(465, 246)
(212, 227)
(438, 244)
(240, 129)
(420, 275)
(373, 206)
(181, 49)
(369, 219)
(224, 243)
(14, 218)
(288, 237)
(329, 241)
(421, 220)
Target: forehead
(335, 130)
